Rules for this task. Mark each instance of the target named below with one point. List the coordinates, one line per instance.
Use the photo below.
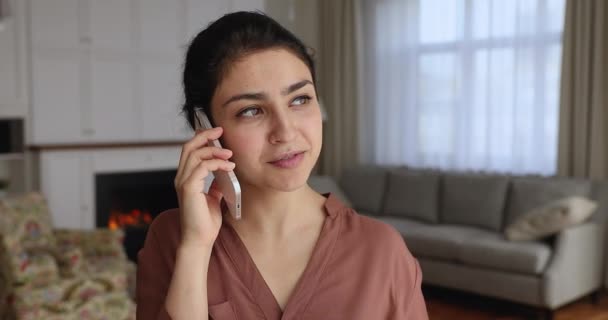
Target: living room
(475, 128)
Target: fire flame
(134, 217)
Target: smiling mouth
(287, 156)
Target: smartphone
(227, 181)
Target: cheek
(315, 128)
(243, 146)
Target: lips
(286, 156)
(289, 160)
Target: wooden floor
(450, 305)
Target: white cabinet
(55, 24)
(13, 65)
(110, 70)
(56, 116)
(82, 79)
(112, 111)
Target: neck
(274, 214)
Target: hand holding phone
(227, 181)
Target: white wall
(299, 16)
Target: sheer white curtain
(461, 84)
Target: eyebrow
(262, 96)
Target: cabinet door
(159, 66)
(161, 97)
(159, 31)
(57, 71)
(111, 115)
(111, 26)
(61, 185)
(55, 24)
(111, 111)
(13, 98)
(56, 101)
(200, 13)
(248, 5)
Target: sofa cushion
(412, 194)
(433, 241)
(527, 194)
(364, 186)
(494, 251)
(474, 200)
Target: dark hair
(227, 39)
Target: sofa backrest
(365, 188)
(474, 199)
(489, 201)
(527, 193)
(412, 194)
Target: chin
(289, 182)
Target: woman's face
(267, 105)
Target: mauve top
(360, 269)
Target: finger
(214, 191)
(200, 139)
(195, 182)
(204, 154)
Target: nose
(283, 128)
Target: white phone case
(227, 181)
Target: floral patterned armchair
(60, 274)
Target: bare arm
(187, 296)
(200, 219)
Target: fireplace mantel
(67, 176)
(99, 146)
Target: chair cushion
(25, 222)
(412, 194)
(474, 200)
(494, 251)
(433, 241)
(30, 269)
(364, 186)
(527, 194)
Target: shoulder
(376, 245)
(164, 233)
(371, 231)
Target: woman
(295, 254)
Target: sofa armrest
(576, 266)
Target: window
(462, 84)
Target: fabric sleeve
(153, 279)
(408, 301)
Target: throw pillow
(550, 218)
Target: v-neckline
(305, 286)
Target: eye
(301, 100)
(249, 112)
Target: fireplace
(131, 201)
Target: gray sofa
(453, 223)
